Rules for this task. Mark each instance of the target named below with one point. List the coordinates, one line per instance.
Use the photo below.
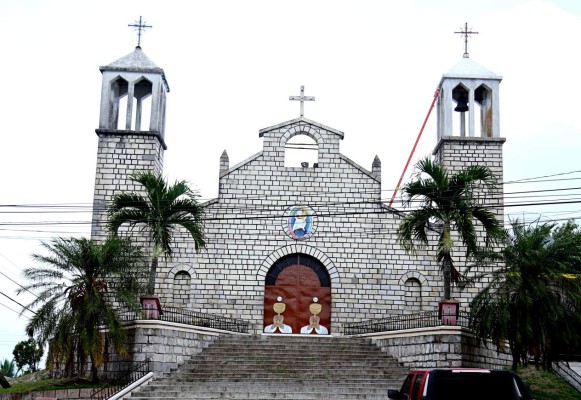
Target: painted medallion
(300, 222)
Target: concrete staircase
(281, 367)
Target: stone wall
(444, 346)
(456, 153)
(69, 394)
(167, 344)
(121, 153)
(354, 236)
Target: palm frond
(75, 292)
(414, 227)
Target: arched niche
(301, 150)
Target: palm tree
(7, 368)
(159, 210)
(447, 203)
(534, 300)
(76, 285)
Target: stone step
(282, 376)
(278, 394)
(247, 395)
(277, 363)
(266, 388)
(281, 367)
(328, 383)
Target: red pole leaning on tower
(436, 95)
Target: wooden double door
(297, 297)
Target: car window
(416, 385)
(405, 388)
(448, 385)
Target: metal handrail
(189, 317)
(399, 322)
(137, 372)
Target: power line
(545, 176)
(88, 207)
(12, 280)
(11, 299)
(13, 310)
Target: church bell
(462, 104)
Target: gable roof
(300, 119)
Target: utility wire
(11, 299)
(12, 280)
(89, 206)
(11, 309)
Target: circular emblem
(300, 222)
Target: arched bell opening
(461, 95)
(142, 105)
(117, 102)
(130, 104)
(301, 151)
(483, 101)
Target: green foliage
(27, 353)
(447, 203)
(24, 384)
(8, 368)
(534, 300)
(77, 283)
(546, 385)
(159, 212)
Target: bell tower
(131, 129)
(468, 123)
(469, 94)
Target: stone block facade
(120, 154)
(353, 234)
(458, 152)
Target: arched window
(413, 296)
(181, 289)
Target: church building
(293, 249)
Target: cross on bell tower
(470, 94)
(466, 33)
(140, 26)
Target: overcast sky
(373, 67)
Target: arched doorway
(297, 296)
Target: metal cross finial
(302, 98)
(139, 26)
(466, 33)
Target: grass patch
(546, 385)
(36, 382)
